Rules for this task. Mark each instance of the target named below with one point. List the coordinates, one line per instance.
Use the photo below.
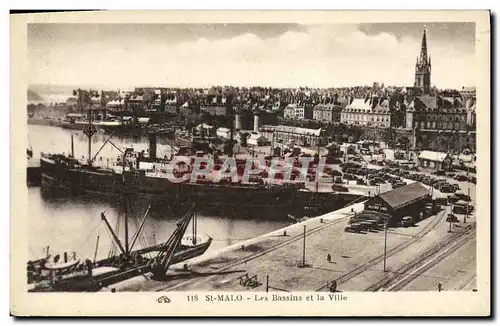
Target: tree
(387, 135)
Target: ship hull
(107, 127)
(61, 180)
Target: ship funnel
(256, 121)
(152, 145)
(237, 121)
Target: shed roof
(433, 156)
(298, 130)
(404, 195)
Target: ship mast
(229, 109)
(90, 131)
(126, 225)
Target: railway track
(402, 277)
(362, 268)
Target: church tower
(423, 67)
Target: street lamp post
(451, 214)
(466, 216)
(385, 243)
(304, 249)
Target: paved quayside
(356, 264)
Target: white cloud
(321, 56)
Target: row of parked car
(436, 182)
(456, 176)
(369, 223)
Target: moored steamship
(148, 175)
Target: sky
(278, 55)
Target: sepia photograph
(252, 161)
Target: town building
(155, 105)
(371, 111)
(468, 93)
(171, 105)
(298, 111)
(327, 112)
(256, 139)
(288, 135)
(134, 103)
(115, 105)
(214, 110)
(440, 122)
(436, 112)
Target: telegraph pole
(466, 216)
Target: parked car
(332, 160)
(360, 182)
(430, 209)
(440, 173)
(426, 181)
(338, 180)
(451, 218)
(354, 227)
(405, 222)
(453, 199)
(335, 173)
(462, 208)
(463, 196)
(339, 188)
(399, 184)
(447, 188)
(438, 182)
(460, 177)
(472, 180)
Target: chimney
(152, 145)
(256, 120)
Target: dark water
(67, 224)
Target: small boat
(62, 262)
(298, 219)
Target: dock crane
(160, 264)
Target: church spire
(423, 67)
(423, 48)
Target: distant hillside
(51, 93)
(48, 89)
(33, 96)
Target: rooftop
(432, 156)
(404, 195)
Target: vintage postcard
(266, 163)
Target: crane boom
(163, 259)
